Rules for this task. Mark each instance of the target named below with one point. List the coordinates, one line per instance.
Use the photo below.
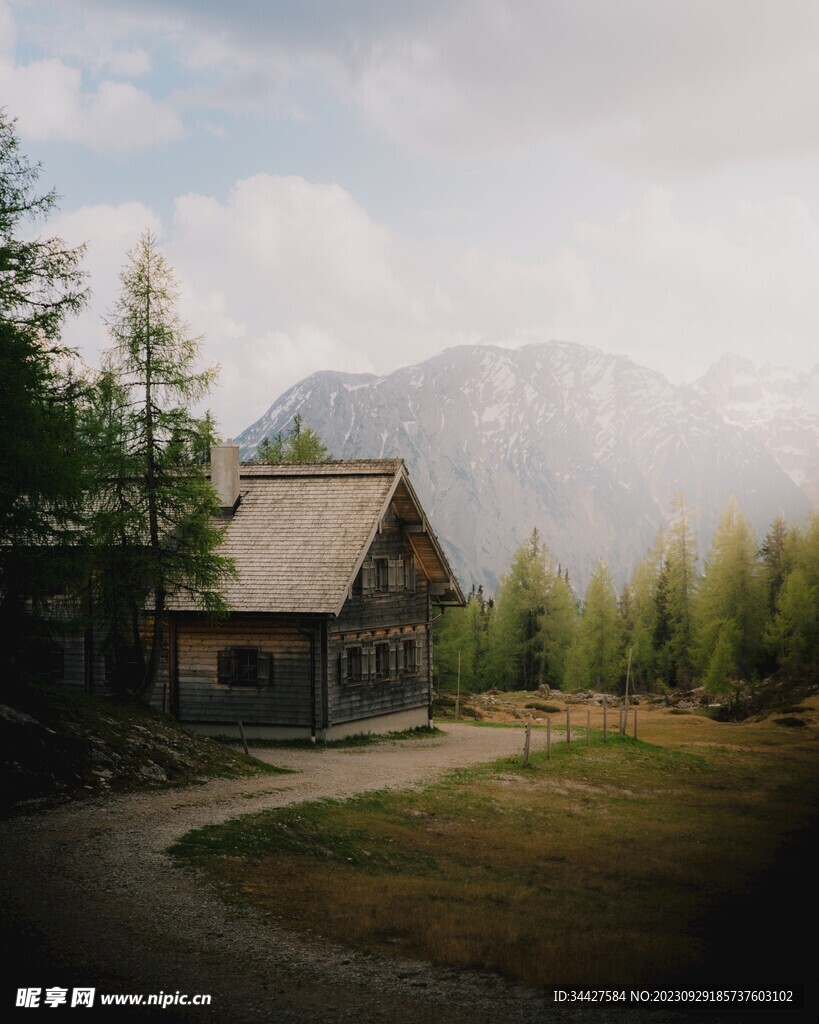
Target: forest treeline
(105, 510)
(744, 611)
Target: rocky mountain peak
(588, 447)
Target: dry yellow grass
(618, 864)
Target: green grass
(606, 864)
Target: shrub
(549, 709)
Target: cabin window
(354, 664)
(385, 576)
(409, 656)
(245, 666)
(382, 661)
(381, 581)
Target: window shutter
(226, 667)
(369, 654)
(399, 657)
(393, 660)
(391, 574)
(367, 580)
(400, 574)
(418, 649)
(409, 574)
(264, 665)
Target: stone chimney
(224, 474)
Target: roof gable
(301, 531)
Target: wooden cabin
(339, 576)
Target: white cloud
(108, 232)
(676, 291)
(8, 31)
(287, 277)
(50, 102)
(663, 88)
(658, 86)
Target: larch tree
(534, 620)
(774, 559)
(792, 635)
(731, 607)
(158, 508)
(680, 591)
(641, 614)
(299, 444)
(594, 658)
(461, 638)
(559, 624)
(792, 632)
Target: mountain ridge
(587, 446)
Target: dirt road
(90, 898)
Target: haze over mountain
(588, 447)
(779, 406)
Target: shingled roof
(301, 531)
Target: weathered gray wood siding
(371, 618)
(202, 698)
(349, 701)
(399, 608)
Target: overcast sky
(358, 184)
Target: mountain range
(587, 446)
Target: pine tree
(156, 508)
(41, 460)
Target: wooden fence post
(244, 739)
(526, 745)
(624, 715)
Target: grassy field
(684, 856)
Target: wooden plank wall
(398, 609)
(203, 699)
(350, 701)
(376, 616)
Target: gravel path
(90, 897)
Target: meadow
(682, 857)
